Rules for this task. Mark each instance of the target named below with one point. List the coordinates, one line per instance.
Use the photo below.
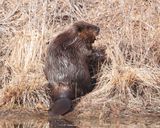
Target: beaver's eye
(79, 29)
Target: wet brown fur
(66, 66)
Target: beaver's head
(86, 30)
(86, 34)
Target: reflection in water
(22, 124)
(18, 125)
(57, 123)
(143, 122)
(39, 123)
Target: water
(45, 122)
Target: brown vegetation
(129, 80)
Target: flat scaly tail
(61, 106)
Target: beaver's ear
(79, 26)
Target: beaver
(66, 66)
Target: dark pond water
(143, 122)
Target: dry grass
(129, 80)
